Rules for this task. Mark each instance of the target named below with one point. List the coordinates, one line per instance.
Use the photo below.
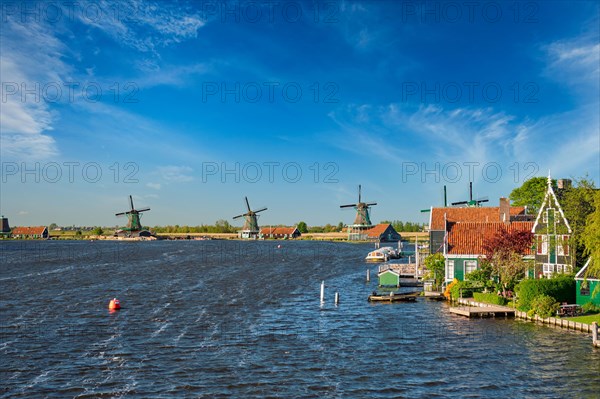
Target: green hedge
(489, 298)
(466, 288)
(561, 288)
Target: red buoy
(114, 304)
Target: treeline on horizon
(223, 226)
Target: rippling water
(242, 319)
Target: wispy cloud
(176, 174)
(475, 133)
(25, 117)
(145, 26)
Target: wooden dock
(488, 311)
(405, 270)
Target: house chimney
(563, 184)
(504, 210)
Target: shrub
(489, 298)
(465, 289)
(561, 288)
(544, 306)
(449, 287)
(590, 307)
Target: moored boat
(393, 296)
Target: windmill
(471, 202)
(133, 225)
(250, 228)
(362, 211)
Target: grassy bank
(587, 319)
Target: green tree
(591, 239)
(98, 231)
(340, 226)
(52, 226)
(509, 266)
(505, 252)
(302, 227)
(531, 193)
(436, 265)
(577, 203)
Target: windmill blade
(143, 210)
(459, 203)
(371, 203)
(239, 216)
(482, 199)
(359, 190)
(131, 202)
(120, 213)
(260, 210)
(247, 204)
(348, 206)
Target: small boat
(382, 254)
(393, 297)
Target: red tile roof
(277, 231)
(377, 231)
(468, 238)
(30, 231)
(469, 214)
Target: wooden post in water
(416, 256)
(337, 298)
(368, 275)
(322, 291)
(595, 340)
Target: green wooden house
(389, 278)
(551, 241)
(585, 287)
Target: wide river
(230, 319)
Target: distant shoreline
(333, 237)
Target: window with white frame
(450, 270)
(548, 268)
(544, 245)
(470, 266)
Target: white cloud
(25, 117)
(176, 174)
(155, 186)
(575, 62)
(144, 26)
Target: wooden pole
(368, 275)
(416, 256)
(322, 291)
(595, 334)
(337, 298)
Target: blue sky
(190, 106)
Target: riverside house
(586, 286)
(38, 232)
(461, 233)
(551, 237)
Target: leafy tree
(591, 239)
(509, 266)
(578, 204)
(302, 227)
(98, 231)
(340, 226)
(531, 193)
(52, 226)
(505, 253)
(436, 265)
